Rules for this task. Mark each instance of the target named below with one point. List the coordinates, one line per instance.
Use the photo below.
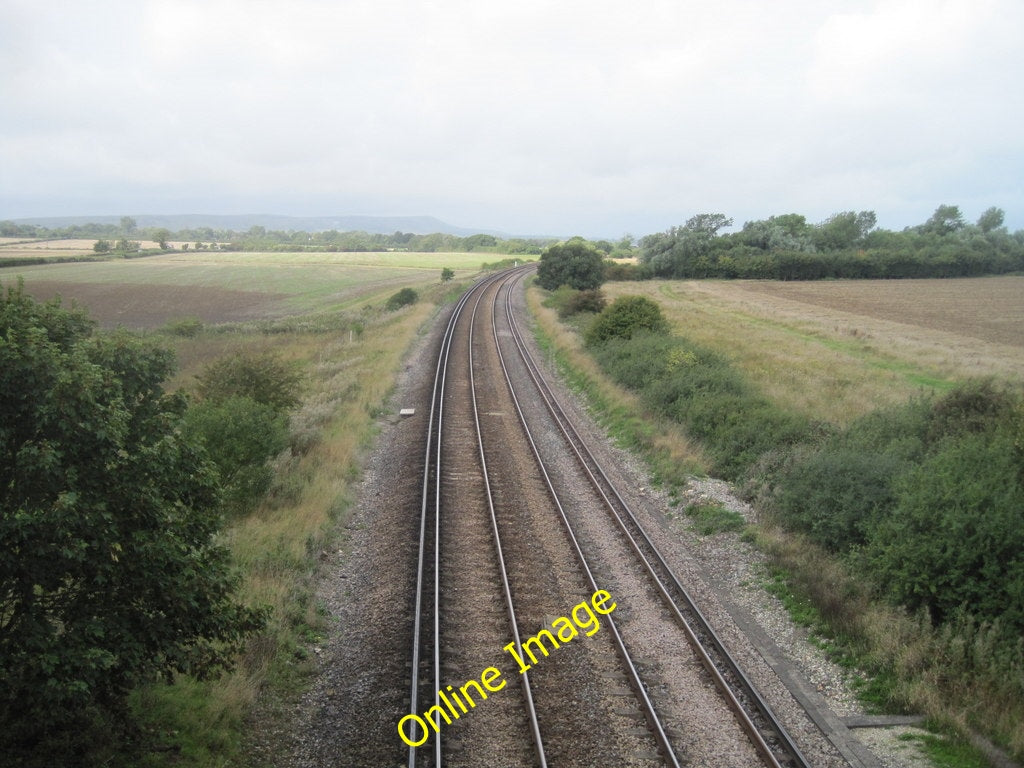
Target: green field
(220, 286)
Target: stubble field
(837, 350)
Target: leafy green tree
(110, 571)
(991, 219)
(102, 246)
(946, 220)
(576, 263)
(124, 245)
(162, 236)
(128, 225)
(844, 230)
(447, 274)
(683, 251)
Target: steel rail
(525, 676)
(431, 469)
(626, 519)
(634, 676)
(430, 511)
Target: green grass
(712, 517)
(947, 751)
(670, 457)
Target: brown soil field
(987, 308)
(135, 305)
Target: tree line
(119, 237)
(846, 245)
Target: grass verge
(671, 456)
(278, 547)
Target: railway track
(480, 511)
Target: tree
(109, 567)
(102, 246)
(447, 274)
(991, 219)
(128, 225)
(683, 251)
(124, 245)
(946, 220)
(844, 230)
(576, 263)
(161, 236)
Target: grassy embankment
(802, 361)
(325, 316)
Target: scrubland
(878, 427)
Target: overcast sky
(526, 116)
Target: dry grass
(667, 447)
(836, 364)
(279, 545)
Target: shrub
(955, 536)
(568, 301)
(402, 298)
(189, 327)
(836, 495)
(585, 301)
(972, 407)
(240, 435)
(626, 316)
(264, 378)
(615, 271)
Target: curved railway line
(510, 537)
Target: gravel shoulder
(343, 718)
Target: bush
(402, 298)
(955, 536)
(627, 315)
(189, 327)
(584, 301)
(615, 271)
(264, 378)
(240, 435)
(702, 391)
(569, 301)
(836, 495)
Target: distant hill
(384, 225)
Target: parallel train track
(766, 734)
